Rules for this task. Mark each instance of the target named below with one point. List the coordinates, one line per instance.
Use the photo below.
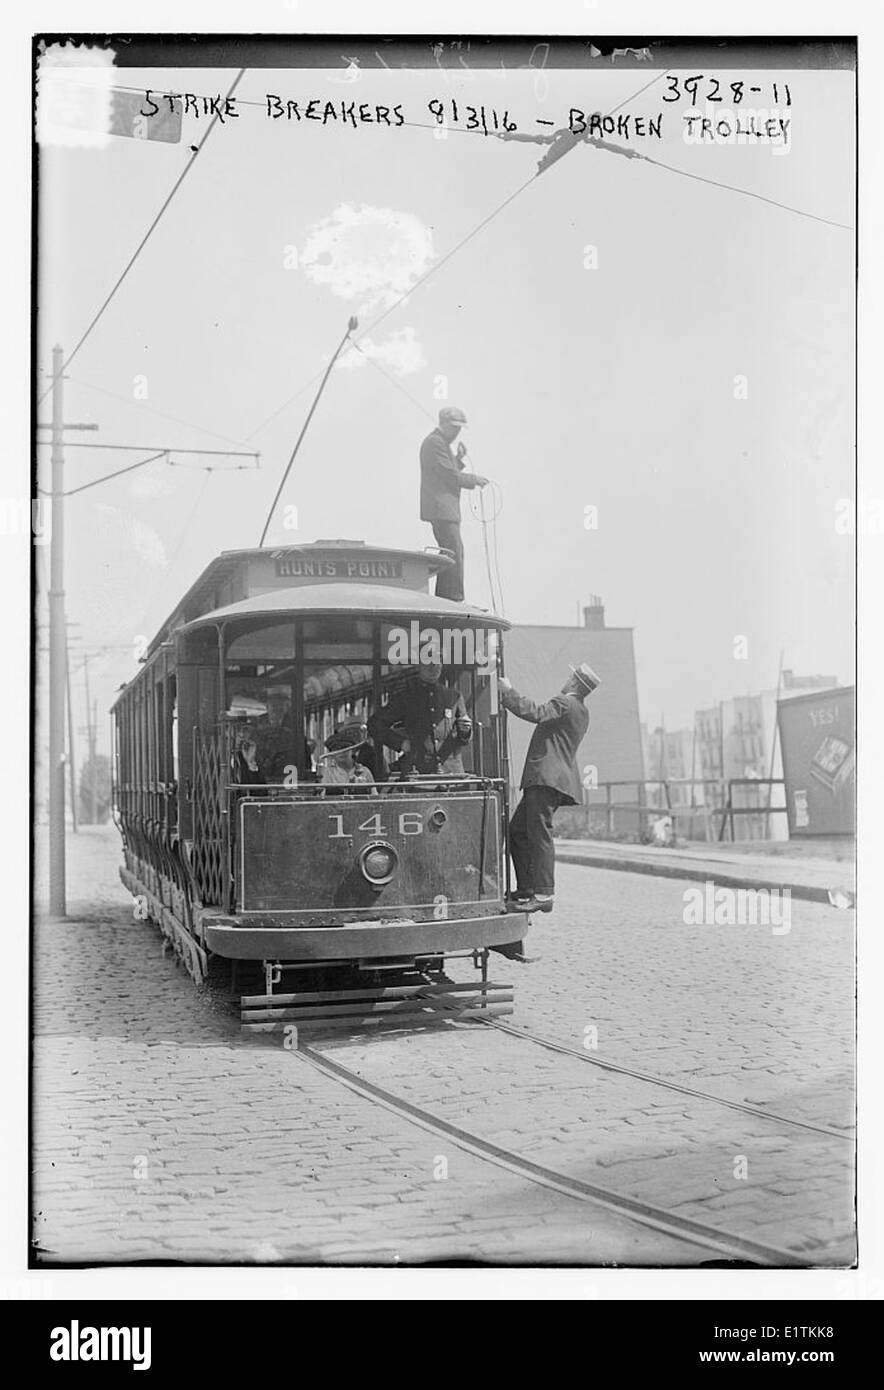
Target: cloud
(373, 255)
(126, 536)
(401, 353)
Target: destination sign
(304, 567)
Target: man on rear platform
(550, 779)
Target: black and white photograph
(443, 541)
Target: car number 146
(410, 823)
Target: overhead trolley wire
(165, 449)
(438, 265)
(479, 227)
(160, 453)
(386, 312)
(746, 192)
(144, 240)
(152, 410)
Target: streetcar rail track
(744, 1106)
(484, 1016)
(723, 1243)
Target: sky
(673, 356)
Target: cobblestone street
(159, 1133)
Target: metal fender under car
(225, 936)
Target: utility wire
(422, 280)
(438, 265)
(144, 240)
(142, 406)
(747, 193)
(386, 313)
(492, 566)
(161, 453)
(215, 468)
(72, 492)
(179, 544)
(165, 449)
(450, 254)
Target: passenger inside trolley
(426, 722)
(246, 771)
(296, 687)
(339, 761)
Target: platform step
(356, 1025)
(360, 1007)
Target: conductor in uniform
(427, 723)
(550, 779)
(444, 475)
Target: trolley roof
(366, 600)
(237, 575)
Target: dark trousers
(449, 582)
(531, 840)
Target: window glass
(335, 695)
(274, 643)
(338, 639)
(285, 702)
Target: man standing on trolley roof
(550, 779)
(443, 477)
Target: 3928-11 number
(410, 823)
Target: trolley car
(362, 886)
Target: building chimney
(594, 613)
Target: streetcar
(341, 895)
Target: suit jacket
(276, 749)
(442, 478)
(551, 760)
(435, 721)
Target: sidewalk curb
(805, 891)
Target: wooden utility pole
(71, 760)
(91, 733)
(58, 643)
(57, 649)
(57, 626)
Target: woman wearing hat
(338, 763)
